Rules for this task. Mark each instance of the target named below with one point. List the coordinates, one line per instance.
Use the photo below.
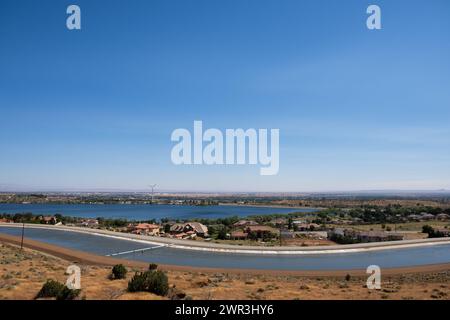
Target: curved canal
(391, 258)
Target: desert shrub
(348, 277)
(68, 294)
(158, 283)
(50, 289)
(152, 266)
(119, 271)
(55, 289)
(152, 281)
(138, 282)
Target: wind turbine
(153, 189)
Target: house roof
(177, 227)
(380, 234)
(261, 228)
(146, 226)
(244, 223)
(198, 227)
(238, 234)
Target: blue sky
(95, 108)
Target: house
(279, 222)
(314, 235)
(185, 235)
(149, 229)
(200, 229)
(426, 216)
(181, 235)
(366, 236)
(415, 217)
(442, 216)
(306, 226)
(243, 223)
(91, 223)
(196, 227)
(337, 232)
(261, 232)
(238, 235)
(374, 236)
(444, 232)
(48, 220)
(3, 220)
(176, 228)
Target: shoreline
(228, 248)
(272, 206)
(81, 257)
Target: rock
(176, 294)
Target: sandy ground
(23, 272)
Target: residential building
(148, 229)
(196, 227)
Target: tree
(222, 235)
(167, 228)
(290, 223)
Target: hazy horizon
(173, 191)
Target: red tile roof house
(6, 221)
(238, 235)
(148, 229)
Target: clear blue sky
(94, 109)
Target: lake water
(404, 257)
(144, 211)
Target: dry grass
(22, 274)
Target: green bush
(158, 283)
(68, 294)
(55, 289)
(152, 281)
(119, 271)
(152, 266)
(50, 289)
(138, 282)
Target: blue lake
(145, 211)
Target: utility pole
(281, 244)
(23, 232)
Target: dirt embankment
(22, 273)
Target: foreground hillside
(22, 274)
